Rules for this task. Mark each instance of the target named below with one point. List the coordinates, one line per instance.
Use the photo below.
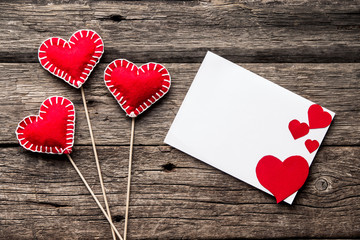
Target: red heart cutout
(311, 145)
(52, 131)
(317, 117)
(298, 129)
(72, 60)
(282, 178)
(136, 88)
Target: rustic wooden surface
(309, 47)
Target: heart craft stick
(52, 131)
(135, 89)
(73, 61)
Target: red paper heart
(282, 178)
(135, 88)
(72, 61)
(311, 145)
(317, 117)
(52, 131)
(298, 129)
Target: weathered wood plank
(182, 31)
(173, 196)
(25, 86)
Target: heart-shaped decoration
(318, 118)
(282, 178)
(136, 88)
(72, 60)
(52, 131)
(298, 129)
(311, 145)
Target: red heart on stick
(72, 60)
(52, 131)
(298, 129)
(136, 88)
(318, 118)
(311, 145)
(282, 178)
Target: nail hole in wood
(116, 18)
(168, 167)
(118, 218)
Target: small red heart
(52, 131)
(311, 145)
(282, 178)
(136, 88)
(72, 60)
(298, 129)
(318, 118)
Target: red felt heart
(282, 178)
(311, 145)
(136, 88)
(298, 129)
(318, 118)
(72, 60)
(52, 131)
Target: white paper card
(231, 118)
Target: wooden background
(309, 47)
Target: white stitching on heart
(86, 72)
(139, 109)
(70, 131)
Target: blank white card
(231, 118)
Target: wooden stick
(93, 195)
(129, 176)
(96, 159)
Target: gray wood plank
(25, 86)
(182, 31)
(173, 196)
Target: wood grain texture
(182, 31)
(25, 86)
(309, 47)
(173, 196)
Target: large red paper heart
(72, 60)
(311, 145)
(298, 129)
(318, 118)
(52, 131)
(282, 178)
(136, 88)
